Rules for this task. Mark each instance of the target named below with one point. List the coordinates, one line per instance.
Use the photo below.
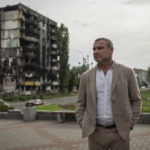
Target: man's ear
(111, 49)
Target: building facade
(29, 58)
(141, 76)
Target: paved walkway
(50, 135)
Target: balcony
(53, 31)
(30, 54)
(53, 38)
(55, 83)
(55, 52)
(28, 75)
(55, 68)
(54, 60)
(32, 83)
(54, 46)
(29, 38)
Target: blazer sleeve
(135, 98)
(81, 100)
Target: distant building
(29, 58)
(141, 75)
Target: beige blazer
(125, 98)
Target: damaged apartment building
(29, 58)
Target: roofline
(22, 6)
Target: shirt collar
(112, 66)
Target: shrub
(3, 107)
(22, 98)
(11, 98)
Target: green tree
(63, 47)
(74, 77)
(72, 80)
(148, 74)
(144, 84)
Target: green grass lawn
(145, 95)
(52, 107)
(146, 109)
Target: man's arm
(81, 101)
(135, 97)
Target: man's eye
(101, 47)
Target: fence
(29, 114)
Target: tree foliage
(74, 77)
(72, 80)
(63, 47)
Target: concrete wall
(11, 114)
(59, 116)
(144, 118)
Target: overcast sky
(125, 22)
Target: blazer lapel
(115, 76)
(92, 83)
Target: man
(109, 102)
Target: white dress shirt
(104, 114)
